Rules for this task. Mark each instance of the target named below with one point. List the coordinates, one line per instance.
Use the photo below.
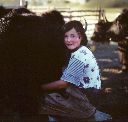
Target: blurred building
(45, 2)
(77, 1)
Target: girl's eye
(65, 36)
(72, 36)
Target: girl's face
(72, 39)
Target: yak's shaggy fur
(31, 53)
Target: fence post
(101, 13)
(70, 15)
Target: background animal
(117, 31)
(31, 53)
(115, 102)
(100, 31)
(119, 28)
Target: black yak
(31, 53)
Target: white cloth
(82, 69)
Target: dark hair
(77, 25)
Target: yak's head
(100, 31)
(119, 28)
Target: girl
(80, 73)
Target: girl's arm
(56, 85)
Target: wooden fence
(91, 16)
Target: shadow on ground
(115, 82)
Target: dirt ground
(113, 80)
(108, 60)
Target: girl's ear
(80, 37)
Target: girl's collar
(72, 51)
